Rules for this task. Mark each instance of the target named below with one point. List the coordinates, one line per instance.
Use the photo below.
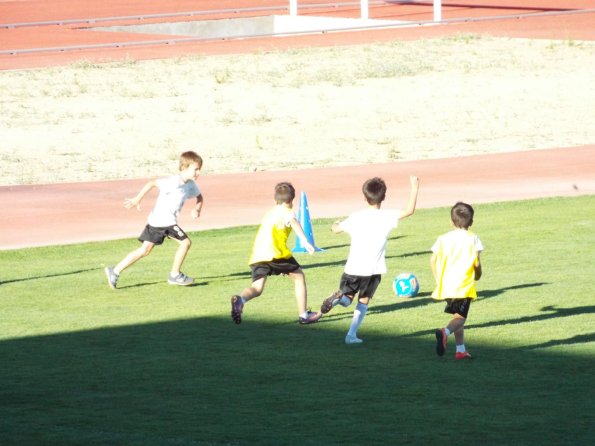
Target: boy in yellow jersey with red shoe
(272, 256)
(456, 266)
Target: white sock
(358, 316)
(304, 315)
(461, 348)
(447, 332)
(344, 301)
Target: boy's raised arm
(412, 198)
(299, 231)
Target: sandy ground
(406, 100)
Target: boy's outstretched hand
(132, 202)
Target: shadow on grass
(551, 313)
(69, 273)
(486, 294)
(206, 381)
(142, 284)
(578, 339)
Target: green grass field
(150, 364)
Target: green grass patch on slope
(150, 364)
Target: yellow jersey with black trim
(271, 239)
(456, 258)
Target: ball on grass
(406, 285)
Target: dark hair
(284, 193)
(461, 215)
(374, 190)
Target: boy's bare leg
(457, 326)
(301, 291)
(238, 301)
(460, 335)
(184, 246)
(132, 257)
(254, 290)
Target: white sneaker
(352, 340)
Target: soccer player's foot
(112, 277)
(462, 355)
(352, 340)
(236, 309)
(441, 340)
(310, 318)
(330, 302)
(181, 279)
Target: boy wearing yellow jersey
(456, 266)
(271, 256)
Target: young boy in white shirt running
(162, 221)
(369, 229)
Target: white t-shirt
(369, 231)
(173, 192)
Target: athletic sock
(344, 301)
(446, 331)
(358, 316)
(461, 348)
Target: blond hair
(188, 158)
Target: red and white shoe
(463, 355)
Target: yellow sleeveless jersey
(457, 254)
(271, 239)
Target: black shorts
(366, 285)
(157, 235)
(458, 306)
(275, 267)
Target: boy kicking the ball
(369, 229)
(162, 221)
(456, 266)
(272, 256)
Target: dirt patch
(299, 108)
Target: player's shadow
(328, 248)
(157, 282)
(323, 264)
(578, 339)
(230, 277)
(420, 300)
(550, 312)
(412, 254)
(46, 276)
(486, 294)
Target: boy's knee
(255, 291)
(145, 250)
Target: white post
(437, 10)
(364, 9)
(293, 8)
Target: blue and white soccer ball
(406, 285)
